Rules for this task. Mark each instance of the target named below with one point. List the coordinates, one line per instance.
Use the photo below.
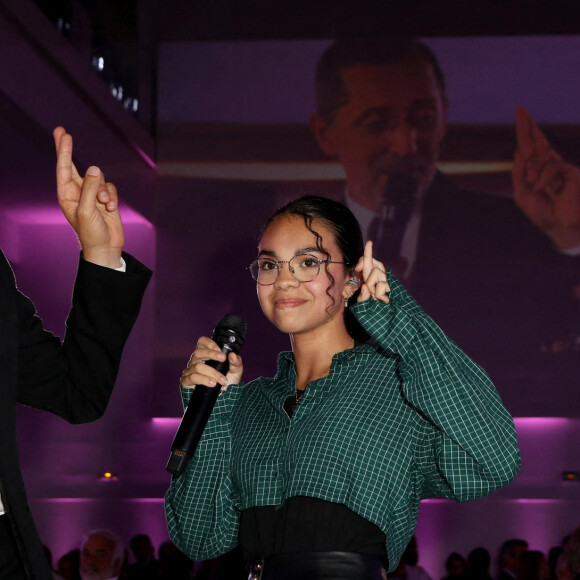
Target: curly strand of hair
(308, 223)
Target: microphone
(229, 334)
(388, 229)
(399, 196)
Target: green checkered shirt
(407, 418)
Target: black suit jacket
(73, 380)
(496, 285)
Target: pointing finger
(524, 132)
(57, 135)
(64, 147)
(367, 260)
(65, 168)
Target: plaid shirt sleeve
(476, 449)
(200, 504)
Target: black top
(305, 524)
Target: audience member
(455, 566)
(173, 564)
(568, 567)
(102, 555)
(553, 556)
(566, 540)
(509, 558)
(533, 566)
(146, 567)
(408, 568)
(101, 558)
(411, 558)
(477, 566)
(69, 565)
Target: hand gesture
(546, 188)
(374, 277)
(90, 206)
(198, 373)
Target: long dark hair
(347, 235)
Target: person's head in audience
(69, 565)
(568, 567)
(477, 565)
(553, 556)
(533, 566)
(173, 564)
(381, 110)
(509, 555)
(142, 548)
(455, 565)
(102, 555)
(166, 549)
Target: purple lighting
(533, 501)
(166, 422)
(520, 422)
(50, 214)
(541, 422)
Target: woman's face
(302, 307)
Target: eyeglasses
(303, 268)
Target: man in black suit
(74, 379)
(509, 558)
(481, 265)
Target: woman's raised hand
(374, 277)
(199, 373)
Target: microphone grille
(235, 323)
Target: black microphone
(387, 229)
(229, 334)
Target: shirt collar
(363, 214)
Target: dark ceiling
(328, 18)
(267, 19)
(183, 20)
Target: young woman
(319, 471)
